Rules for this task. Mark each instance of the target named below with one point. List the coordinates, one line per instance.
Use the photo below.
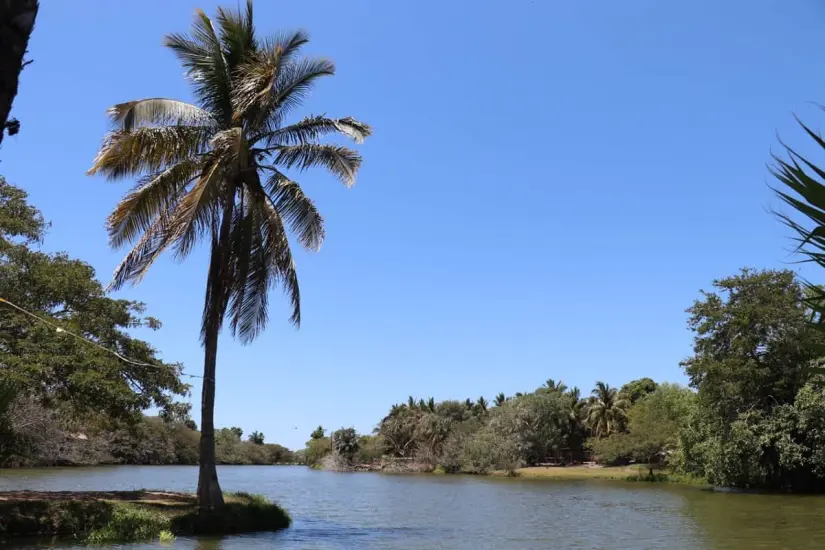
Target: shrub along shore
(131, 516)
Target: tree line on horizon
(752, 416)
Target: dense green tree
(316, 450)
(456, 411)
(653, 427)
(430, 433)
(753, 351)
(753, 343)
(398, 430)
(345, 443)
(257, 438)
(637, 389)
(16, 25)
(317, 433)
(535, 424)
(214, 172)
(606, 410)
(370, 449)
(52, 365)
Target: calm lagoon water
(389, 512)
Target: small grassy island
(130, 516)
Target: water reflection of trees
(746, 521)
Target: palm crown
(216, 170)
(607, 410)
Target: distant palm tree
(257, 438)
(576, 412)
(430, 405)
(214, 172)
(317, 433)
(468, 404)
(606, 410)
(553, 386)
(481, 405)
(500, 400)
(411, 404)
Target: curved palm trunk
(210, 497)
(16, 25)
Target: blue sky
(548, 186)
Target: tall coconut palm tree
(215, 172)
(606, 411)
(481, 405)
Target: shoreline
(131, 516)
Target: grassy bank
(621, 473)
(128, 516)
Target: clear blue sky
(548, 186)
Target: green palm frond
(803, 189)
(196, 213)
(295, 81)
(155, 195)
(340, 161)
(237, 34)
(296, 209)
(269, 83)
(270, 262)
(203, 58)
(311, 129)
(143, 254)
(133, 152)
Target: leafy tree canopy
(53, 365)
(636, 389)
(753, 343)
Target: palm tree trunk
(16, 25)
(210, 496)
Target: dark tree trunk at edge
(16, 25)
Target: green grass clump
(131, 523)
(241, 513)
(133, 516)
